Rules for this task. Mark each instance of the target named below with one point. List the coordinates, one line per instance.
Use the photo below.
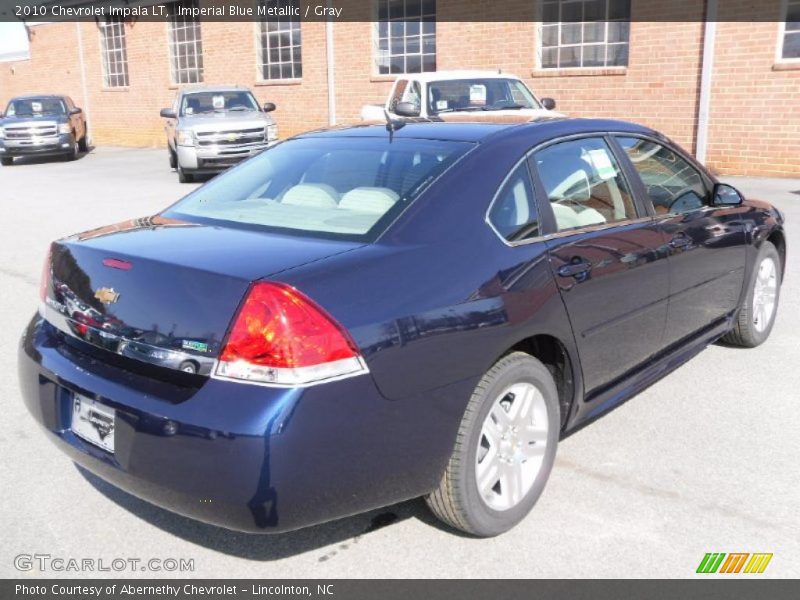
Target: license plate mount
(93, 422)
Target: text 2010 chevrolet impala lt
(366, 315)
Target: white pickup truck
(449, 94)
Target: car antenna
(392, 125)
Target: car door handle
(680, 241)
(575, 269)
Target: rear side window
(673, 185)
(584, 184)
(513, 213)
(334, 187)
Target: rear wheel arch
(563, 366)
(778, 239)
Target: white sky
(13, 39)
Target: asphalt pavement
(706, 460)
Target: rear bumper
(61, 144)
(213, 159)
(244, 457)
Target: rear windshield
(332, 187)
(32, 107)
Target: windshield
(33, 107)
(209, 102)
(479, 94)
(331, 187)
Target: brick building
(729, 89)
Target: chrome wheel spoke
(488, 475)
(533, 435)
(530, 451)
(511, 484)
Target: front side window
(405, 36)
(280, 45)
(584, 33)
(584, 184)
(333, 187)
(185, 44)
(35, 107)
(513, 213)
(673, 185)
(790, 48)
(114, 51)
(479, 94)
(215, 102)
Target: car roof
(458, 74)
(213, 88)
(528, 133)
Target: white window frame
(183, 23)
(111, 23)
(377, 55)
(782, 33)
(605, 44)
(290, 27)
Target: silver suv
(211, 128)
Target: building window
(185, 44)
(114, 51)
(280, 46)
(584, 33)
(790, 48)
(405, 36)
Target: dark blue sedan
(362, 316)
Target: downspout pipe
(329, 52)
(84, 93)
(704, 105)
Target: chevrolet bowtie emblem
(106, 295)
(232, 137)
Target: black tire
(183, 176)
(744, 332)
(189, 366)
(457, 500)
(7, 161)
(83, 143)
(73, 153)
(173, 159)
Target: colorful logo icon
(734, 562)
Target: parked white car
(443, 93)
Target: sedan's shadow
(332, 538)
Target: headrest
(369, 199)
(318, 195)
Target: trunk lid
(163, 291)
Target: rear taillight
(282, 337)
(44, 283)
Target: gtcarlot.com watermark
(47, 563)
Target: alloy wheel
(511, 446)
(764, 293)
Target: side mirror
(75, 111)
(269, 106)
(406, 109)
(548, 103)
(168, 113)
(726, 195)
